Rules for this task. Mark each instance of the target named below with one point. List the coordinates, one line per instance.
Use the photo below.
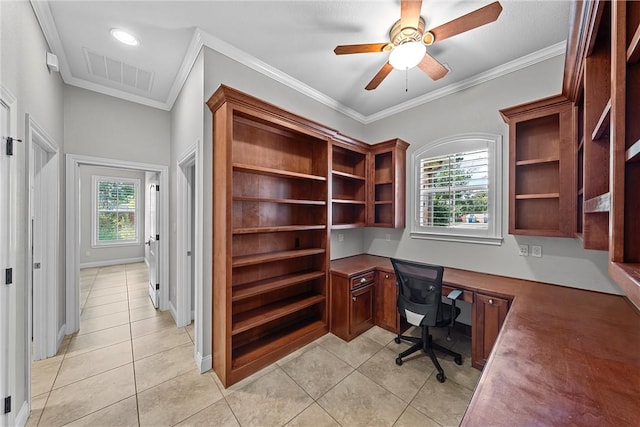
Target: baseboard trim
(23, 415)
(174, 312)
(205, 363)
(110, 262)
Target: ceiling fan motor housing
(399, 35)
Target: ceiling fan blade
(432, 67)
(410, 13)
(359, 48)
(378, 78)
(467, 22)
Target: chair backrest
(420, 291)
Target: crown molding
(188, 61)
(261, 67)
(501, 70)
(50, 31)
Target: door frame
(8, 303)
(185, 275)
(73, 161)
(45, 298)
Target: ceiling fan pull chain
(406, 80)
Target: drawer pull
(354, 298)
(491, 301)
(386, 276)
(363, 280)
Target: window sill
(483, 240)
(114, 244)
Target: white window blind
(115, 210)
(454, 190)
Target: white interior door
(37, 159)
(152, 245)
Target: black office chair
(420, 302)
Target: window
(457, 189)
(115, 211)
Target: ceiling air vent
(117, 71)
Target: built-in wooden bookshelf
(387, 186)
(349, 183)
(602, 69)
(542, 174)
(270, 226)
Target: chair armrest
(454, 294)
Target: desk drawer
(362, 279)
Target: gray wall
(103, 126)
(187, 124)
(90, 256)
(23, 71)
(476, 110)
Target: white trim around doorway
(73, 229)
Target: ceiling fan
(408, 40)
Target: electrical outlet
(524, 250)
(536, 251)
(340, 237)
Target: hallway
(129, 365)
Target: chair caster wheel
(397, 340)
(398, 361)
(440, 377)
(458, 361)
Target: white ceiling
(292, 41)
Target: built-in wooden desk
(564, 356)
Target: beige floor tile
(218, 414)
(92, 363)
(103, 310)
(109, 283)
(379, 335)
(164, 366)
(191, 330)
(355, 352)
(443, 402)
(176, 400)
(465, 375)
(317, 371)
(358, 401)
(120, 414)
(157, 342)
(286, 359)
(244, 382)
(95, 340)
(271, 400)
(146, 312)
(85, 272)
(98, 292)
(152, 324)
(76, 400)
(43, 374)
(403, 381)
(37, 406)
(106, 299)
(103, 322)
(137, 293)
(412, 418)
(64, 345)
(313, 416)
(139, 302)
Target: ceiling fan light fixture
(407, 55)
(124, 37)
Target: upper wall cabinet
(542, 173)
(349, 170)
(387, 188)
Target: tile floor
(129, 365)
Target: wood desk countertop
(564, 356)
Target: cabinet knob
(491, 301)
(354, 298)
(363, 280)
(386, 276)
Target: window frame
(95, 242)
(453, 145)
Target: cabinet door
(361, 309)
(489, 313)
(386, 312)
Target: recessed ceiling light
(124, 37)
